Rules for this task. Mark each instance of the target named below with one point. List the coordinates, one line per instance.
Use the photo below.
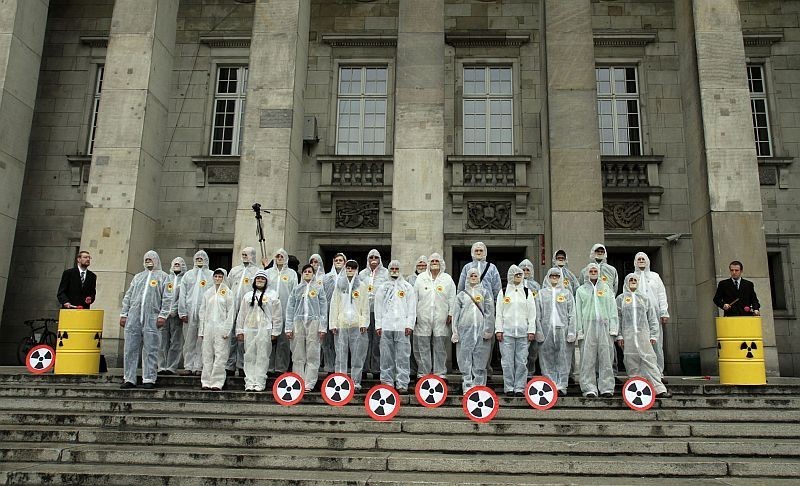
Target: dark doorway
(622, 260)
(502, 257)
(354, 252)
(219, 258)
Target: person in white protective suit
(216, 333)
(556, 330)
(419, 268)
(597, 326)
(258, 324)
(529, 281)
(329, 283)
(638, 325)
(373, 276)
(473, 327)
(395, 313)
(436, 294)
(650, 285)
(145, 309)
(170, 354)
(307, 325)
(241, 281)
(569, 280)
(348, 320)
(515, 328)
(608, 274)
(528, 277)
(193, 286)
(282, 280)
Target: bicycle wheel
(22, 350)
(49, 338)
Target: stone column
(22, 27)
(572, 137)
(272, 145)
(418, 191)
(124, 186)
(724, 190)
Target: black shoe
(127, 385)
(402, 391)
(664, 380)
(149, 386)
(519, 394)
(607, 395)
(510, 394)
(166, 373)
(590, 395)
(230, 372)
(562, 393)
(665, 394)
(241, 373)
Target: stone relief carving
(357, 214)
(223, 174)
(489, 215)
(628, 215)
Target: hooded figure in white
(145, 309)
(395, 313)
(170, 355)
(419, 268)
(473, 326)
(241, 281)
(608, 274)
(529, 281)
(329, 282)
(597, 325)
(569, 280)
(638, 324)
(307, 324)
(193, 286)
(373, 276)
(258, 323)
(650, 285)
(515, 328)
(436, 295)
(348, 320)
(556, 329)
(216, 318)
(282, 280)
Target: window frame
(782, 250)
(240, 103)
(639, 97)
(765, 97)
(487, 97)
(363, 97)
(94, 107)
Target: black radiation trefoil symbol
(749, 348)
(41, 358)
(541, 393)
(633, 389)
(337, 389)
(289, 389)
(382, 402)
(432, 391)
(480, 406)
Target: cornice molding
(94, 40)
(226, 42)
(360, 40)
(753, 38)
(458, 39)
(623, 38)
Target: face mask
(149, 265)
(435, 266)
(632, 285)
(199, 263)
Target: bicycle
(40, 334)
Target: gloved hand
(454, 338)
(539, 337)
(570, 338)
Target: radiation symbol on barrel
(638, 394)
(480, 404)
(541, 393)
(431, 391)
(40, 359)
(749, 347)
(338, 389)
(382, 402)
(288, 389)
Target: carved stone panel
(627, 215)
(489, 215)
(768, 175)
(223, 174)
(357, 214)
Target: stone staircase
(85, 430)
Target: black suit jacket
(746, 295)
(70, 290)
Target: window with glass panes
(758, 104)
(98, 88)
(618, 110)
(229, 102)
(361, 111)
(488, 111)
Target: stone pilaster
(272, 147)
(724, 189)
(22, 26)
(418, 191)
(123, 192)
(572, 139)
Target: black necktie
(737, 284)
(83, 276)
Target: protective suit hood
(400, 278)
(224, 273)
(261, 273)
(151, 254)
(594, 249)
(374, 252)
(554, 271)
(180, 261)
(201, 254)
(566, 259)
(476, 272)
(586, 272)
(512, 270)
(436, 256)
(646, 264)
(527, 264)
(421, 259)
(281, 251)
(342, 284)
(321, 269)
(251, 253)
(333, 271)
(479, 244)
(626, 289)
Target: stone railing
(634, 177)
(495, 175)
(359, 175)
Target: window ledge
(490, 174)
(354, 174)
(771, 171)
(94, 40)
(360, 40)
(634, 176)
(216, 169)
(488, 39)
(222, 41)
(79, 168)
(525, 159)
(613, 38)
(756, 38)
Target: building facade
(412, 126)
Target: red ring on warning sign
(418, 391)
(385, 417)
(46, 363)
(346, 398)
(479, 390)
(276, 394)
(630, 401)
(553, 390)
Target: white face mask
(149, 265)
(199, 263)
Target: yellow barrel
(740, 348)
(80, 333)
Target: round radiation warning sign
(382, 402)
(338, 389)
(431, 391)
(288, 389)
(638, 394)
(480, 404)
(541, 393)
(40, 359)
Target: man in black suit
(78, 286)
(737, 296)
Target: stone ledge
(772, 169)
(614, 38)
(94, 40)
(225, 41)
(207, 163)
(359, 40)
(79, 169)
(756, 38)
(487, 39)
